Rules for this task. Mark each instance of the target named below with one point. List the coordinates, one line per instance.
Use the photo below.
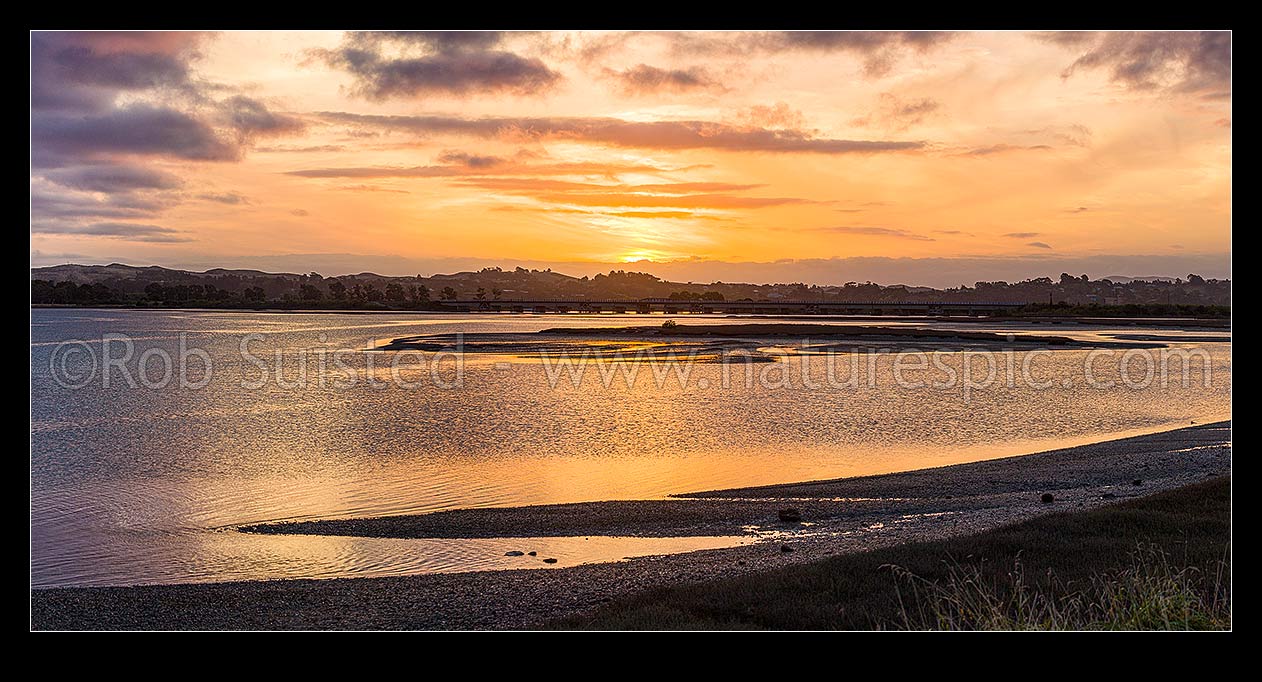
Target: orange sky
(411, 152)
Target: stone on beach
(1048, 498)
(549, 560)
(790, 515)
(514, 553)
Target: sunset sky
(922, 158)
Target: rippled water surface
(132, 484)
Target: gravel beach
(838, 516)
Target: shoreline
(727, 342)
(754, 510)
(895, 508)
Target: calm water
(142, 485)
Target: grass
(1156, 563)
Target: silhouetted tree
(337, 289)
(449, 294)
(394, 292)
(309, 292)
(481, 294)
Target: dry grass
(1152, 593)
(1156, 563)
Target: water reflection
(129, 485)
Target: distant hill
(1122, 279)
(127, 284)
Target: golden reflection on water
(127, 486)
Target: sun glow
(740, 153)
(641, 256)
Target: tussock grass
(1152, 593)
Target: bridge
(675, 307)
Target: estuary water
(138, 479)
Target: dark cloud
(114, 178)
(458, 158)
(455, 63)
(140, 129)
(1066, 38)
(86, 71)
(78, 80)
(224, 197)
(53, 203)
(875, 231)
(1039, 245)
(441, 41)
(1022, 235)
(1181, 61)
(644, 80)
(251, 118)
(637, 134)
(136, 232)
(106, 103)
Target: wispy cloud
(1180, 61)
(233, 198)
(687, 134)
(874, 231)
(135, 232)
(643, 79)
(649, 200)
(576, 168)
(1003, 148)
(896, 113)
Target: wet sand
(712, 341)
(843, 515)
